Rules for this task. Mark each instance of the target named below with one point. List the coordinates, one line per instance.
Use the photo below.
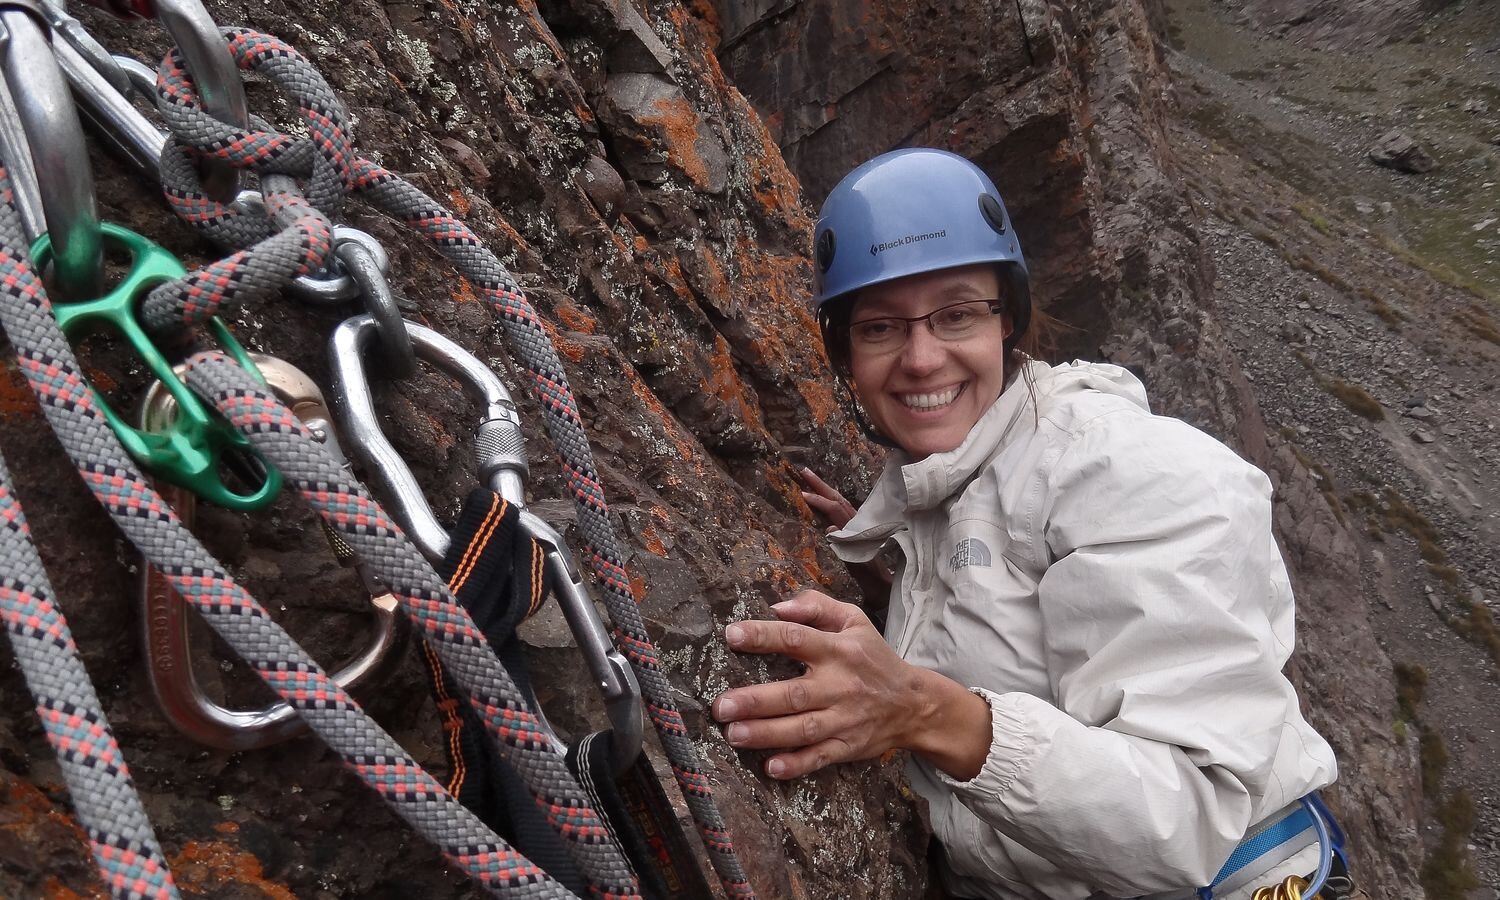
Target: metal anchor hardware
(43, 141)
(165, 614)
(500, 458)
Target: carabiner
(166, 622)
(500, 458)
(83, 45)
(501, 450)
(215, 76)
(103, 88)
(47, 151)
(189, 452)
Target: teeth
(930, 401)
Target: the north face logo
(970, 552)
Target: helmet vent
(825, 250)
(993, 212)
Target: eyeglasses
(954, 322)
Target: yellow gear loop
(1289, 889)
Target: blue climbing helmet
(912, 211)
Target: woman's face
(926, 393)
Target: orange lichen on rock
(653, 541)
(686, 449)
(638, 586)
(29, 807)
(573, 350)
(681, 129)
(820, 400)
(52, 889)
(540, 29)
(773, 185)
(575, 319)
(788, 488)
(459, 201)
(568, 347)
(16, 398)
(708, 20)
(808, 556)
(724, 382)
(210, 866)
(463, 293)
(717, 286)
(456, 16)
(514, 236)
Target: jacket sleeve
(1166, 621)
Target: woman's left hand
(855, 701)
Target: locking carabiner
(43, 142)
(165, 614)
(189, 452)
(500, 458)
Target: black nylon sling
(499, 577)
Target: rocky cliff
(606, 149)
(644, 207)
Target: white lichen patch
(716, 667)
(534, 56)
(416, 51)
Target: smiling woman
(1085, 633)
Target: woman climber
(1088, 621)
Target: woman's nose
(923, 351)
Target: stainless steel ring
(393, 344)
(335, 286)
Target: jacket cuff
(1010, 750)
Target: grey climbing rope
(326, 160)
(98, 780)
(52, 371)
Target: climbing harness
(164, 615)
(1332, 870)
(297, 240)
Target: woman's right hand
(824, 499)
(873, 578)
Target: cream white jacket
(1108, 580)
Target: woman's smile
(931, 401)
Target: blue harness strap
(1311, 814)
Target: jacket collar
(907, 486)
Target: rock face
(648, 212)
(1338, 23)
(1068, 116)
(644, 207)
(1399, 151)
